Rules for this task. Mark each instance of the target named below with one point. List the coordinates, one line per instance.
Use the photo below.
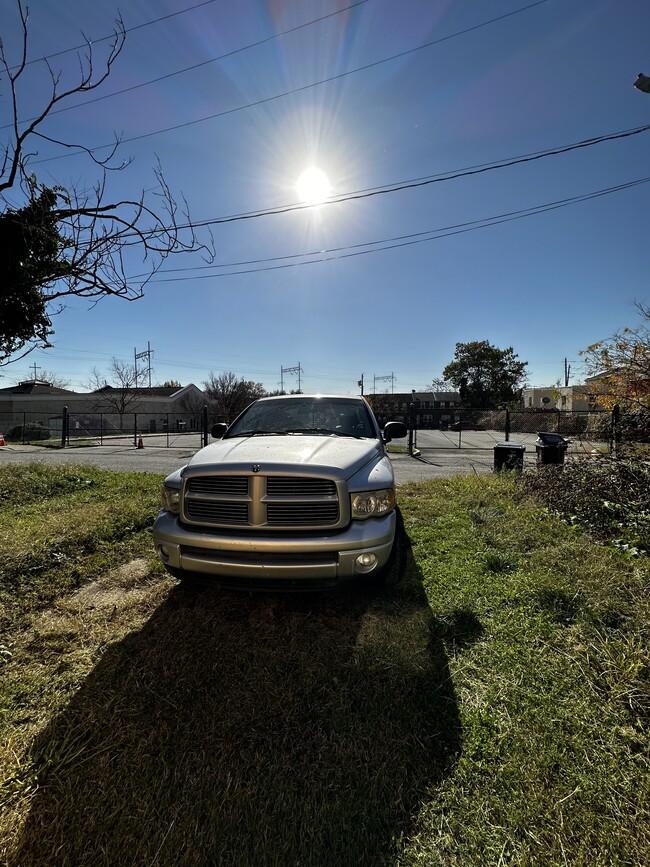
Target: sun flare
(313, 186)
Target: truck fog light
(366, 562)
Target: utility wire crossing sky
(427, 122)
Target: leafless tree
(123, 395)
(440, 384)
(53, 379)
(229, 395)
(88, 235)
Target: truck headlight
(170, 500)
(372, 504)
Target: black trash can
(551, 449)
(509, 456)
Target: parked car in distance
(465, 425)
(298, 494)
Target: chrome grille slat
(292, 502)
(218, 485)
(214, 512)
(302, 514)
(287, 486)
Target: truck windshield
(318, 416)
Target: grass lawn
(492, 709)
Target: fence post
(204, 422)
(507, 424)
(615, 437)
(135, 430)
(411, 426)
(64, 426)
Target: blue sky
(442, 91)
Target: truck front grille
(272, 502)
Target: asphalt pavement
(435, 463)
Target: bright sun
(313, 186)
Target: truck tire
(392, 572)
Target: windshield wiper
(322, 431)
(259, 433)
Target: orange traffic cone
(2, 440)
(140, 443)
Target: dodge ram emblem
(256, 468)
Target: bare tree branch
(69, 241)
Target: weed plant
(609, 496)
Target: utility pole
(294, 370)
(360, 384)
(35, 369)
(136, 356)
(567, 373)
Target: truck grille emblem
(256, 468)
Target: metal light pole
(642, 82)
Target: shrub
(635, 426)
(29, 431)
(609, 496)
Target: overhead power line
(301, 89)
(423, 181)
(210, 60)
(112, 35)
(361, 249)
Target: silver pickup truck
(298, 494)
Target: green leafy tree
(486, 376)
(229, 395)
(59, 241)
(31, 258)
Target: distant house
(102, 411)
(627, 386)
(431, 409)
(159, 408)
(32, 401)
(572, 398)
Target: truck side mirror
(218, 430)
(394, 430)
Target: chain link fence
(462, 428)
(64, 428)
(481, 429)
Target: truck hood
(325, 455)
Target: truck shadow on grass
(229, 730)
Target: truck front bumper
(259, 559)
